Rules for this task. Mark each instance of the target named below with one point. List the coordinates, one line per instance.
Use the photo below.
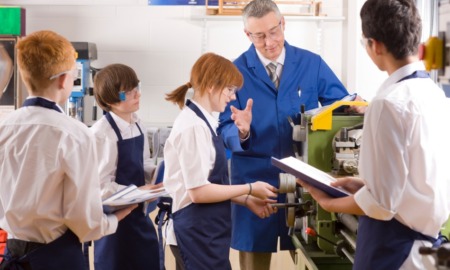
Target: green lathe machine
(330, 142)
(322, 240)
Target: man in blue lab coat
(299, 77)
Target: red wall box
(3, 236)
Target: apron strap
(116, 128)
(197, 111)
(11, 263)
(113, 125)
(41, 102)
(62, 252)
(164, 214)
(416, 74)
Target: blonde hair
(41, 55)
(209, 71)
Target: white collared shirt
(49, 181)
(404, 153)
(279, 61)
(189, 156)
(108, 155)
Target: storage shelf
(319, 20)
(287, 17)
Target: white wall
(366, 76)
(444, 25)
(162, 42)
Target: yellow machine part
(433, 57)
(323, 120)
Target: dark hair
(110, 80)
(210, 70)
(395, 23)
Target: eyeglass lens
(273, 34)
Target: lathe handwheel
(287, 183)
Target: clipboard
(130, 195)
(310, 175)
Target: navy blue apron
(203, 230)
(64, 252)
(381, 244)
(134, 246)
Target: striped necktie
(272, 67)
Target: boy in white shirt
(403, 195)
(50, 194)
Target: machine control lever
(312, 232)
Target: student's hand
(261, 208)
(345, 204)
(357, 109)
(316, 193)
(243, 118)
(263, 190)
(349, 183)
(122, 213)
(150, 186)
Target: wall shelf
(319, 20)
(287, 17)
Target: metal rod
(348, 255)
(349, 221)
(285, 205)
(349, 239)
(329, 241)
